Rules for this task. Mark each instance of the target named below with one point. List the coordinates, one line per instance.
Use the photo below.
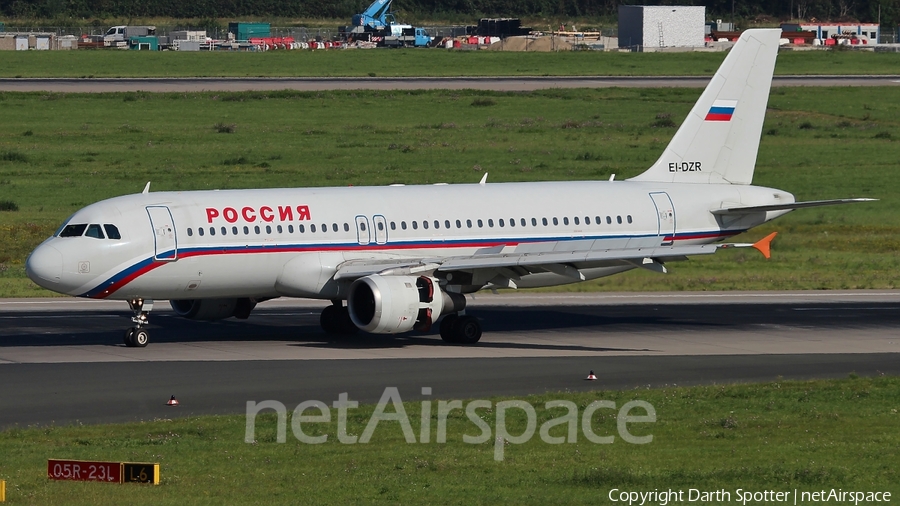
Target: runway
(62, 361)
(528, 83)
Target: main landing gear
(136, 336)
(335, 320)
(460, 329)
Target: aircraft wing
(559, 262)
(784, 207)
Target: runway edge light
(172, 401)
(591, 376)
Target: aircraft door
(362, 230)
(665, 213)
(165, 243)
(380, 225)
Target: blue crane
(376, 16)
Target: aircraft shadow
(302, 328)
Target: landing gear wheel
(448, 332)
(336, 320)
(329, 320)
(467, 330)
(345, 323)
(135, 337)
(129, 337)
(141, 337)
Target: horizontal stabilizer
(785, 207)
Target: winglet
(147, 188)
(763, 244)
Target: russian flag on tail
(721, 110)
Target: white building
(645, 26)
(867, 32)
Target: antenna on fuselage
(483, 179)
(146, 188)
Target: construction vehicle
(377, 24)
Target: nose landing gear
(136, 336)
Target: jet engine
(394, 304)
(213, 309)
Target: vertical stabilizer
(718, 141)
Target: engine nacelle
(213, 309)
(394, 304)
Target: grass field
(61, 152)
(416, 62)
(781, 436)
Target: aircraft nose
(44, 266)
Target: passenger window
(608, 220)
(437, 224)
(362, 226)
(555, 221)
(212, 230)
(246, 230)
(500, 222)
(446, 223)
(279, 229)
(480, 223)
(458, 224)
(587, 220)
(312, 228)
(190, 232)
(324, 227)
(522, 222)
(629, 218)
(425, 224)
(597, 220)
(334, 227)
(469, 223)
(94, 231)
(112, 232)
(415, 225)
(200, 231)
(256, 229)
(290, 229)
(347, 226)
(544, 221)
(512, 222)
(380, 225)
(565, 220)
(234, 230)
(268, 229)
(533, 222)
(491, 223)
(576, 221)
(224, 231)
(403, 225)
(393, 225)
(73, 230)
(619, 220)
(301, 228)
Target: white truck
(119, 35)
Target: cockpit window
(95, 231)
(112, 232)
(73, 230)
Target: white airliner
(403, 256)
